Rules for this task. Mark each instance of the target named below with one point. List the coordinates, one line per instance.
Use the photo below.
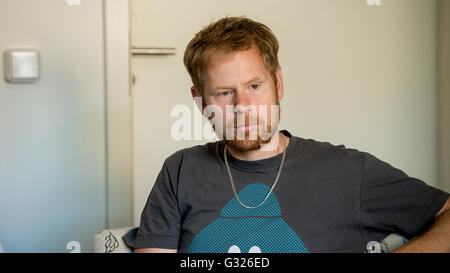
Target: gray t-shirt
(328, 199)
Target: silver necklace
(274, 182)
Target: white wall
(354, 74)
(443, 101)
(52, 133)
(365, 77)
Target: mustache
(247, 121)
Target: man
(259, 189)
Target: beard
(255, 137)
(247, 145)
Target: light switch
(21, 65)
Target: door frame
(118, 125)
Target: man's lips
(246, 126)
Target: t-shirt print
(243, 230)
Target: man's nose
(242, 102)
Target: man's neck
(274, 147)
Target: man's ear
(198, 99)
(280, 85)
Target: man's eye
(225, 93)
(254, 86)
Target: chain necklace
(271, 189)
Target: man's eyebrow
(253, 79)
(222, 88)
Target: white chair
(110, 241)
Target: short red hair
(228, 35)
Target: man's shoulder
(324, 148)
(195, 152)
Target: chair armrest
(110, 241)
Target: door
(52, 132)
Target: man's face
(239, 84)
